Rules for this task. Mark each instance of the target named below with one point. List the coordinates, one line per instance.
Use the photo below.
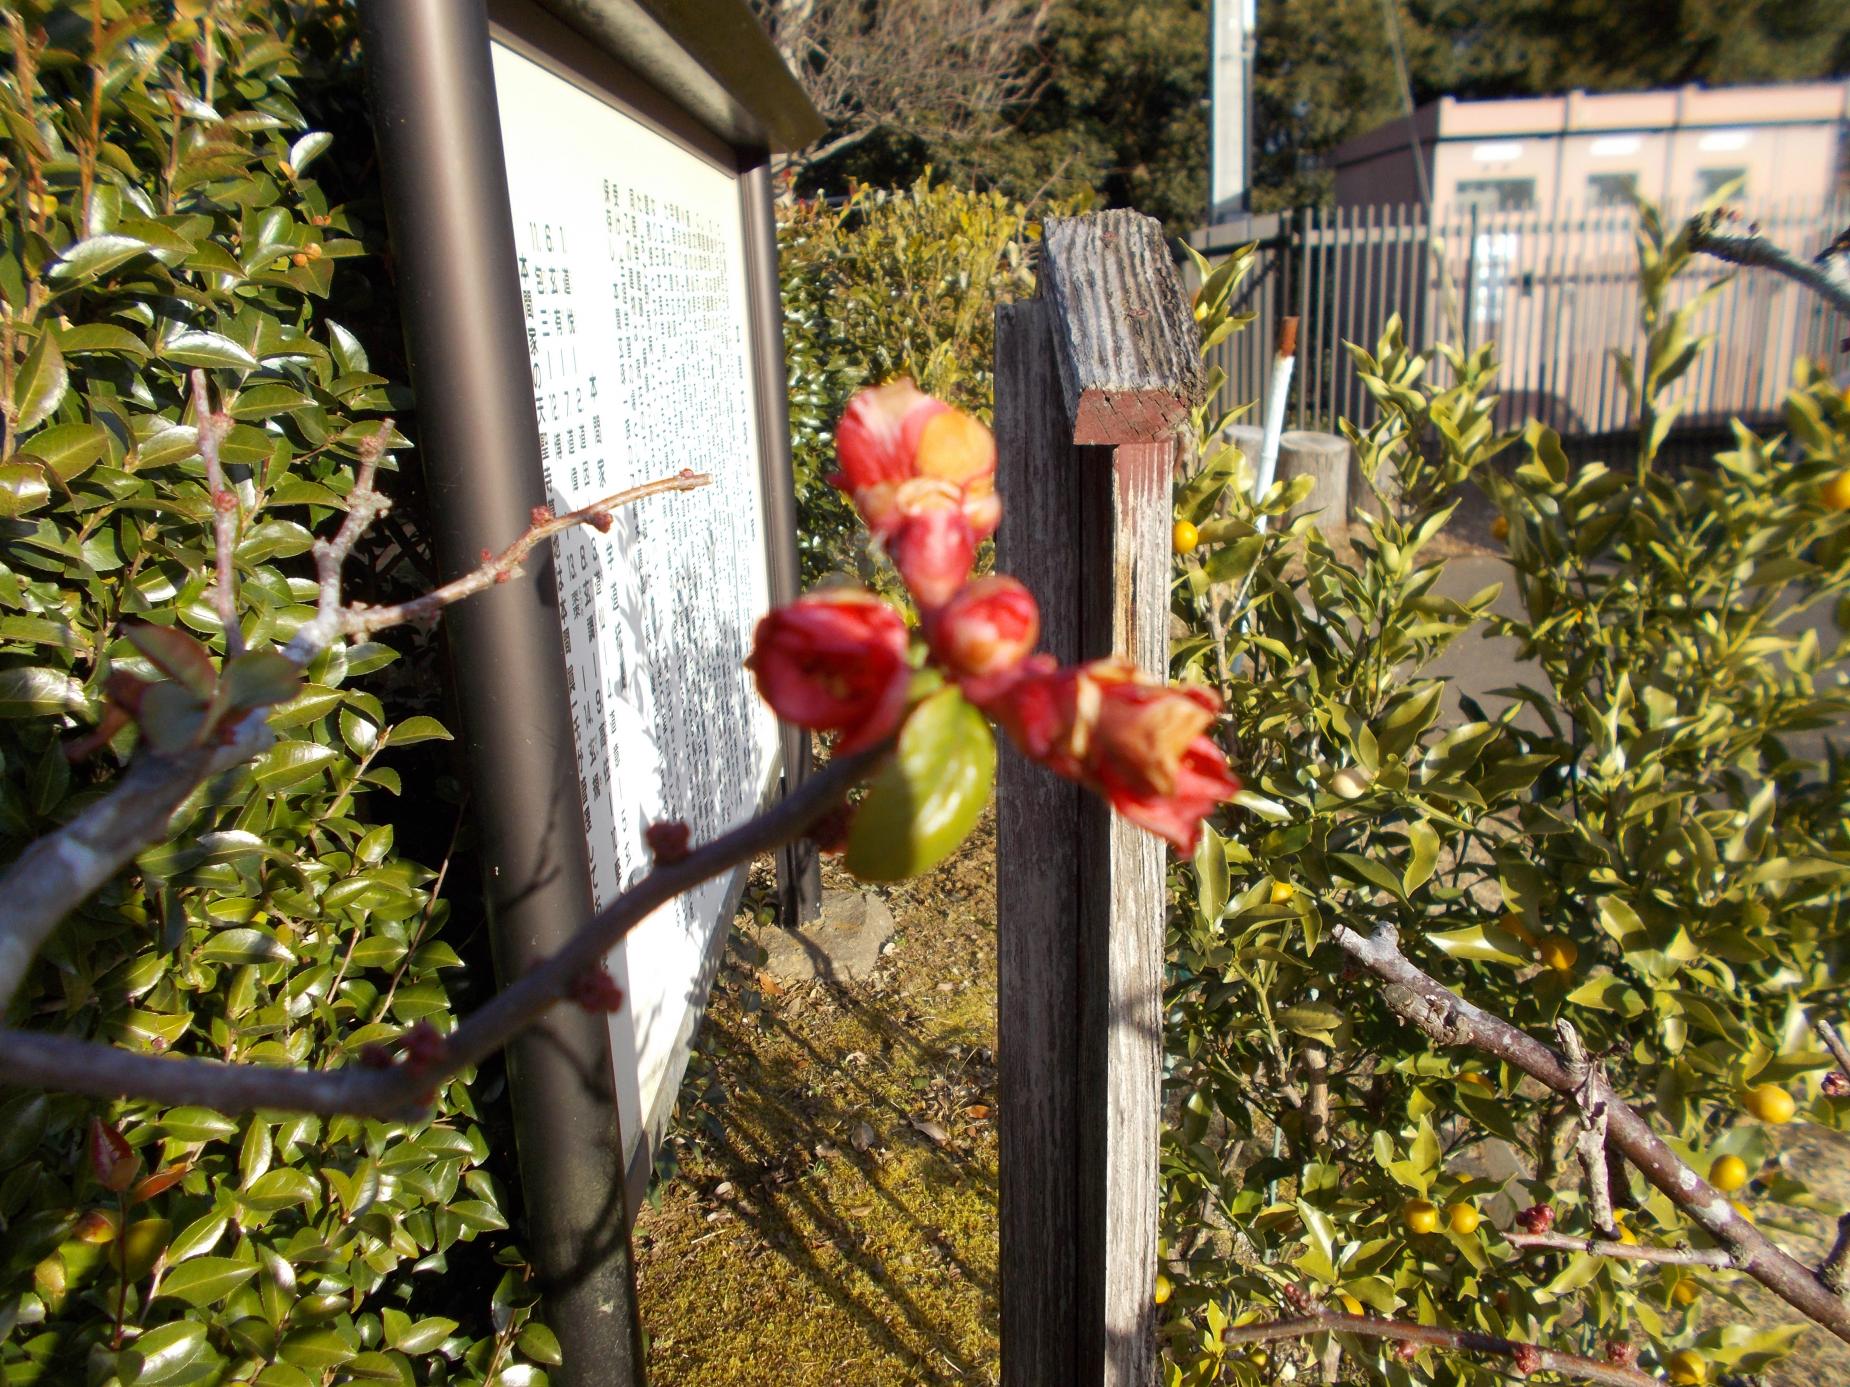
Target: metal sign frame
(701, 73)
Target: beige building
(1558, 154)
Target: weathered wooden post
(1094, 382)
(1324, 458)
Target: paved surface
(842, 946)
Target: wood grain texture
(1324, 458)
(1130, 367)
(1039, 474)
(1080, 894)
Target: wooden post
(1094, 381)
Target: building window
(1497, 194)
(1612, 189)
(1709, 182)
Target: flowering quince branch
(1451, 1020)
(922, 476)
(199, 723)
(1527, 1358)
(399, 1089)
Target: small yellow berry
(1163, 1289)
(1514, 924)
(1836, 493)
(1283, 892)
(1558, 952)
(1687, 1368)
(1420, 1216)
(1685, 1293)
(1500, 529)
(1770, 1103)
(1464, 1218)
(1728, 1173)
(1185, 537)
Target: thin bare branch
(1834, 1042)
(1451, 1020)
(402, 1091)
(212, 430)
(1756, 251)
(505, 565)
(1531, 1357)
(1590, 1140)
(61, 869)
(1624, 1252)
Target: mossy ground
(833, 1217)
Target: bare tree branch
(1834, 1042)
(402, 1091)
(1528, 1357)
(1625, 1252)
(1834, 1271)
(212, 430)
(1590, 1140)
(1756, 251)
(948, 69)
(1451, 1020)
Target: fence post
(1094, 382)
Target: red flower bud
(1622, 1353)
(834, 662)
(1406, 1350)
(224, 502)
(667, 840)
(830, 832)
(986, 630)
(1141, 744)
(600, 521)
(423, 1047)
(922, 476)
(112, 1160)
(595, 990)
(540, 515)
(1528, 1359)
(1537, 1218)
(930, 541)
(1836, 1084)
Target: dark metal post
(799, 872)
(434, 113)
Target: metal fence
(1556, 292)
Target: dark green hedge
(162, 211)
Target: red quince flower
(1141, 744)
(922, 475)
(834, 662)
(985, 632)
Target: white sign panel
(633, 280)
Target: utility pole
(1230, 161)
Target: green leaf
(210, 349)
(419, 1337)
(198, 1237)
(96, 256)
(1424, 841)
(100, 337)
(291, 763)
(39, 387)
(163, 1354)
(309, 148)
(197, 1124)
(69, 450)
(928, 797)
(243, 946)
(419, 729)
(177, 655)
(259, 678)
(204, 1281)
(23, 488)
(317, 1351)
(1486, 943)
(540, 1344)
(31, 691)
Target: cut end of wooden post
(1128, 346)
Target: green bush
(888, 284)
(163, 214)
(1653, 793)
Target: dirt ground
(833, 1218)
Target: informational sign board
(633, 287)
(584, 253)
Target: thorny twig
(1590, 1140)
(1625, 1252)
(1451, 1020)
(1755, 250)
(1530, 1357)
